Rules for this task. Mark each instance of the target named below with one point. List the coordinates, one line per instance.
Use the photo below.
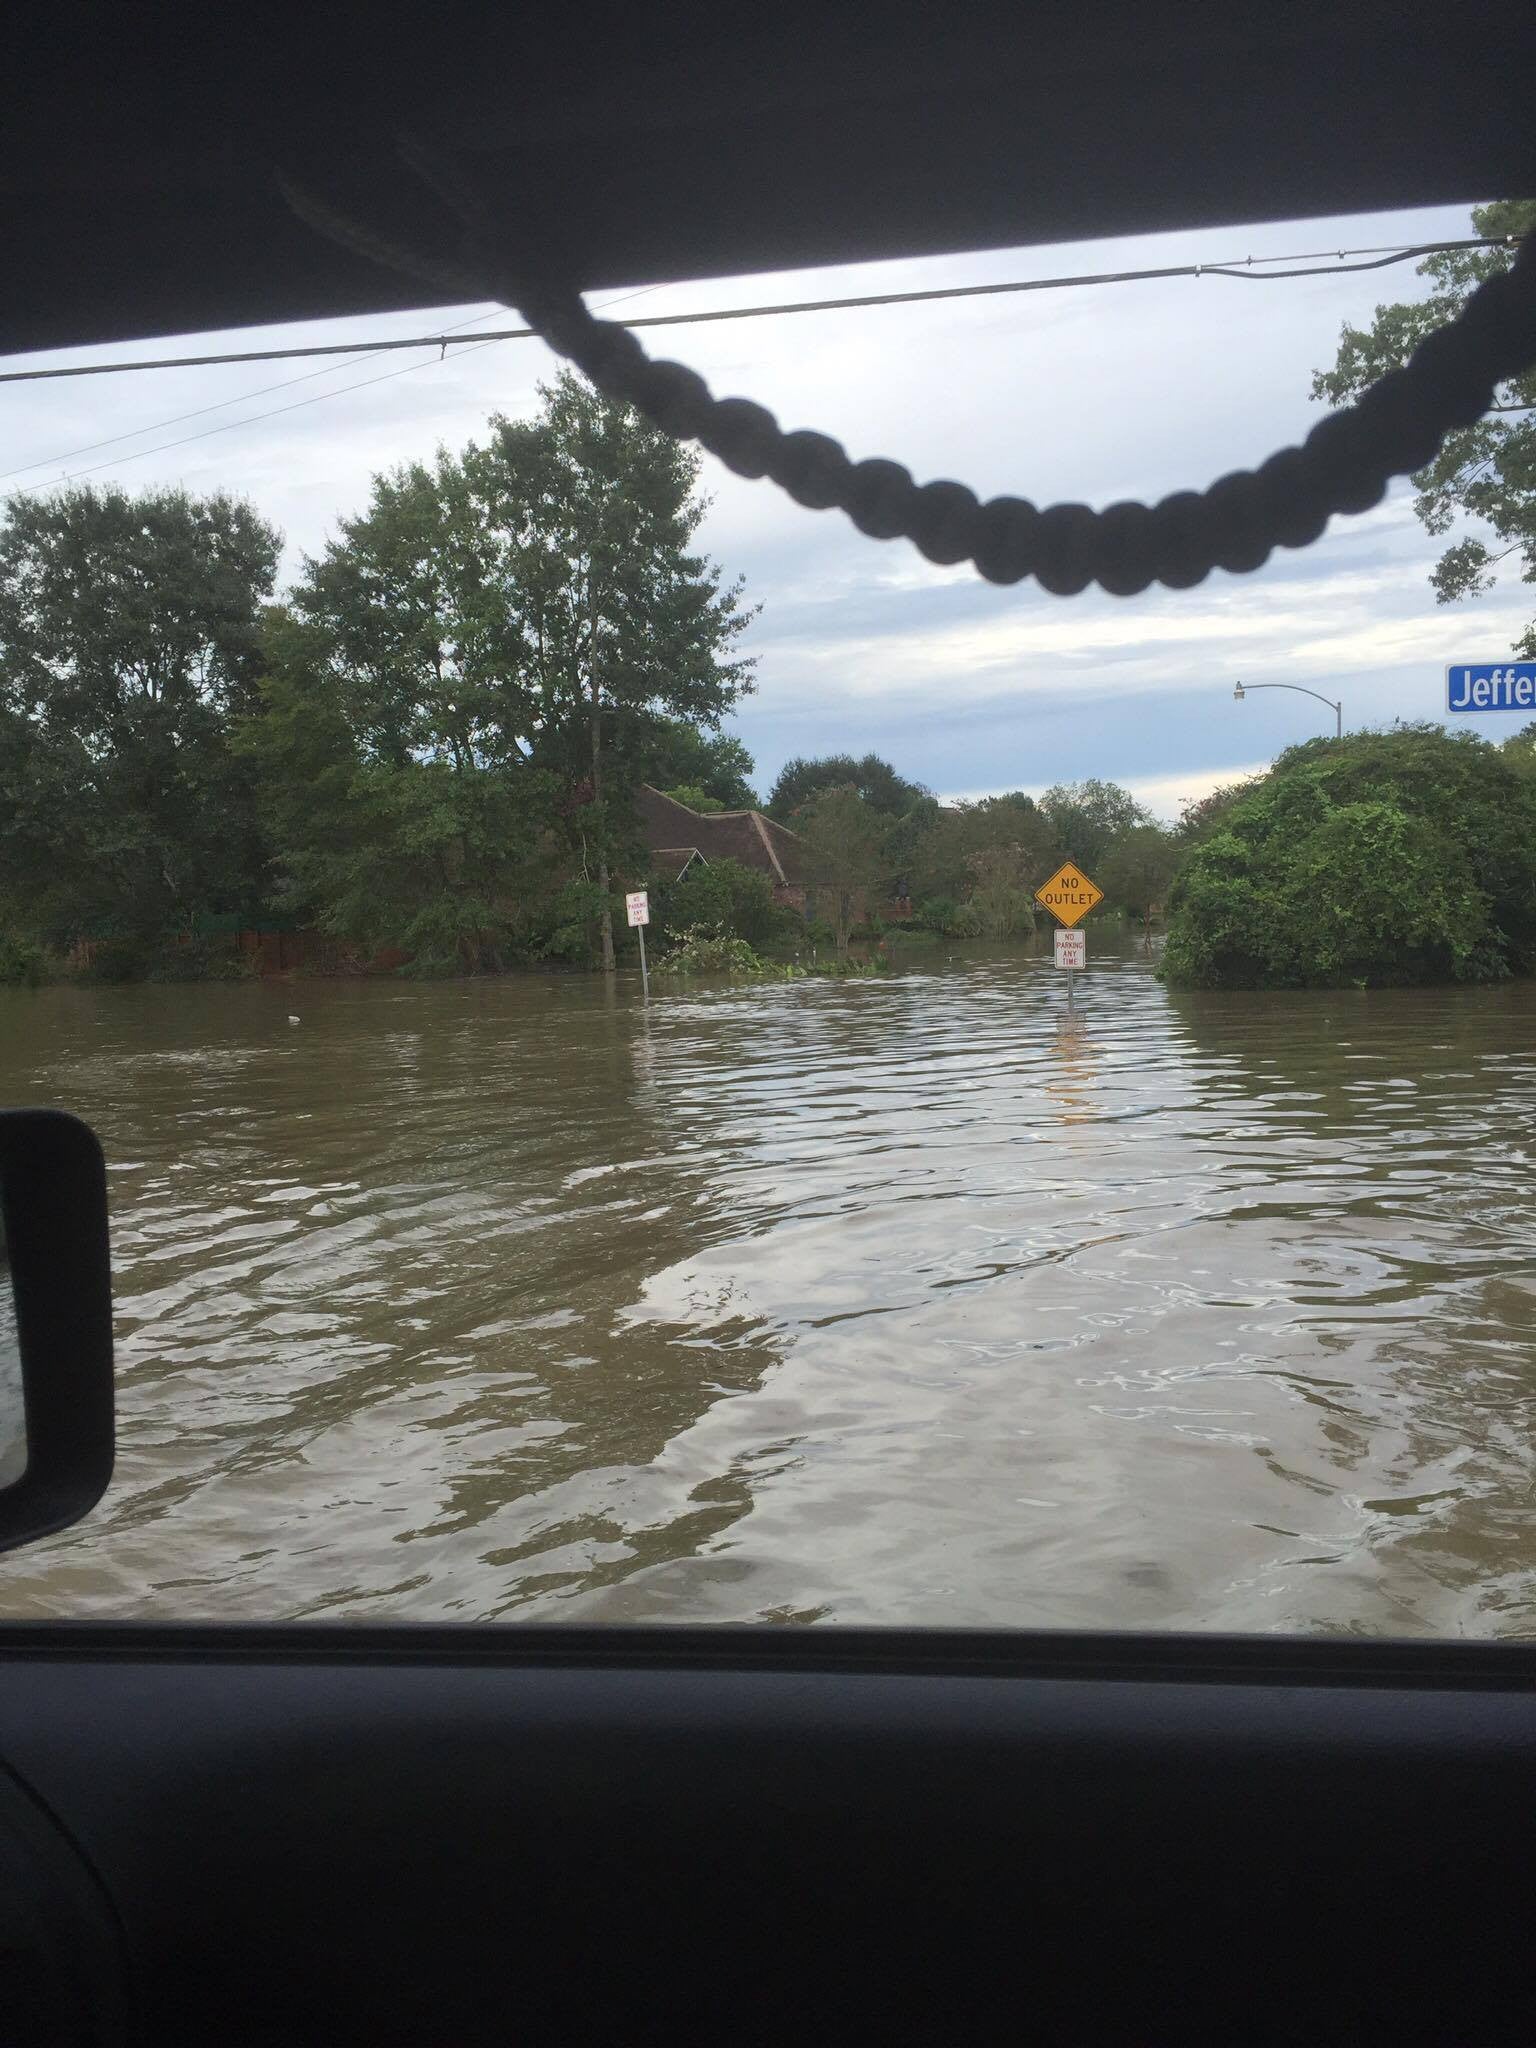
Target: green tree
(484, 657)
(593, 512)
(1385, 858)
(1202, 815)
(672, 753)
(1001, 895)
(43, 777)
(940, 859)
(696, 799)
(1485, 475)
(725, 896)
(1085, 818)
(874, 779)
(1137, 870)
(129, 645)
(454, 859)
(845, 852)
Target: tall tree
(594, 512)
(1138, 869)
(672, 753)
(129, 644)
(452, 857)
(942, 860)
(1000, 896)
(875, 780)
(844, 852)
(492, 646)
(1485, 475)
(1201, 816)
(1085, 818)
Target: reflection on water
(907, 1301)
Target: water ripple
(909, 1301)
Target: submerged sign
(1491, 686)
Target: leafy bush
(22, 964)
(725, 894)
(705, 949)
(118, 958)
(1388, 858)
(192, 961)
(1001, 901)
(225, 963)
(695, 798)
(950, 919)
(1201, 817)
(432, 967)
(843, 969)
(1137, 871)
(110, 960)
(567, 928)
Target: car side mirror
(55, 1324)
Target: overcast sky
(1097, 394)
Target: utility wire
(1238, 267)
(228, 426)
(202, 411)
(252, 419)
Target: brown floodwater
(911, 1300)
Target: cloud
(1164, 795)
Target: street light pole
(1241, 690)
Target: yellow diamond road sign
(1069, 895)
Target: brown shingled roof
(674, 861)
(747, 836)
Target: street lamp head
(1238, 692)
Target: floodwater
(913, 1300)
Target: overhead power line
(467, 343)
(202, 411)
(1250, 269)
(228, 426)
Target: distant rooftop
(747, 836)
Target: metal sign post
(1069, 896)
(637, 907)
(1071, 953)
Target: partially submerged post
(1071, 953)
(637, 906)
(1069, 896)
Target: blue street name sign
(1491, 686)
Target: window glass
(1066, 1159)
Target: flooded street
(898, 1301)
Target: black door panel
(61, 1956)
(308, 1838)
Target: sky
(1093, 394)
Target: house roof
(747, 836)
(673, 862)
